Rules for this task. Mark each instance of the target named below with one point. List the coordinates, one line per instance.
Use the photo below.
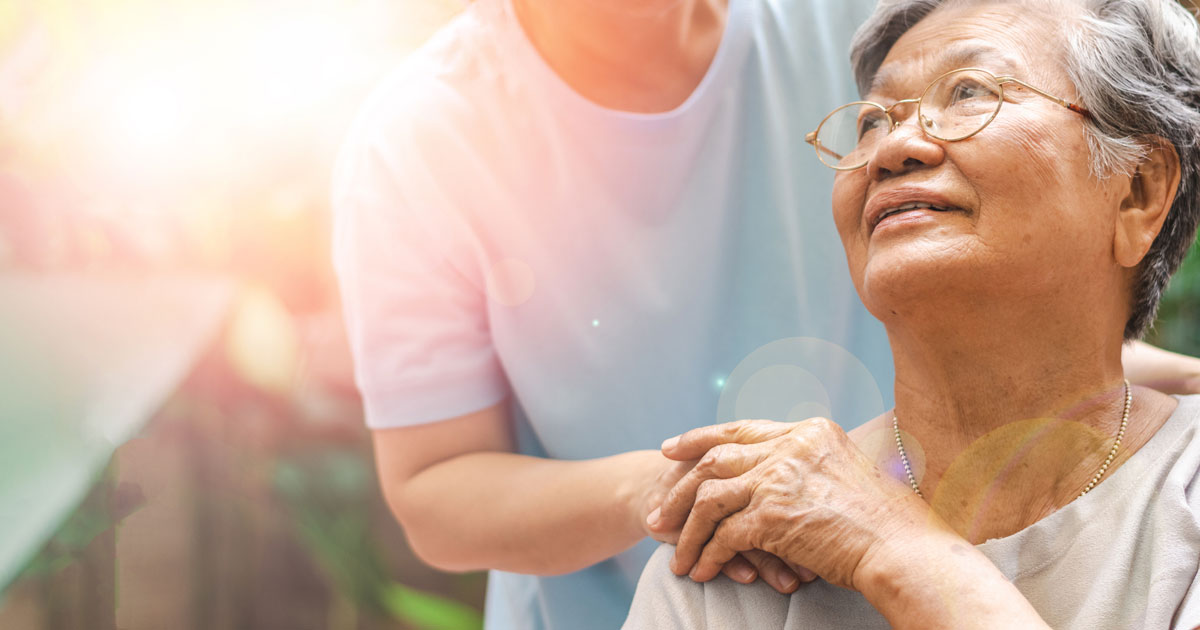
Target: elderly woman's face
(1027, 216)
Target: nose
(905, 149)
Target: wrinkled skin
(1025, 283)
(801, 491)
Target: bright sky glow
(175, 89)
(150, 118)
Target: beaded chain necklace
(912, 481)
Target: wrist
(893, 571)
(939, 580)
(635, 490)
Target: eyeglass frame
(811, 137)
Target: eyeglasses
(955, 106)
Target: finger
(669, 537)
(675, 473)
(662, 485)
(716, 500)
(724, 461)
(803, 573)
(695, 443)
(725, 543)
(740, 570)
(773, 571)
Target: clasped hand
(803, 494)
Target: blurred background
(181, 444)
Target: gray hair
(1136, 67)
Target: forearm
(1168, 372)
(942, 582)
(524, 514)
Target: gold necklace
(1112, 453)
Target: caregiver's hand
(649, 497)
(801, 491)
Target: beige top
(1123, 556)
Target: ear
(1151, 193)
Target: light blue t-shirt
(626, 277)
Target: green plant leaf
(428, 611)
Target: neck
(963, 391)
(631, 56)
(1006, 421)
(970, 359)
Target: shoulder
(467, 54)
(1189, 407)
(877, 440)
(440, 90)
(1175, 451)
(664, 600)
(1187, 413)
(1184, 421)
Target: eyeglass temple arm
(811, 138)
(1078, 109)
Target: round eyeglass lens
(847, 135)
(957, 105)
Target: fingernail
(745, 574)
(670, 443)
(787, 580)
(652, 518)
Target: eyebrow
(952, 58)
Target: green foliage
(1178, 326)
(104, 508)
(427, 611)
(69, 542)
(327, 497)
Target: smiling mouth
(915, 205)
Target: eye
(968, 88)
(871, 120)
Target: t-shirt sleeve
(415, 307)
(666, 601)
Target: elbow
(436, 557)
(426, 539)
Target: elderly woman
(1013, 193)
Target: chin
(902, 282)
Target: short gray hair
(1136, 67)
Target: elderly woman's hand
(744, 567)
(801, 491)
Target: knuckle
(821, 424)
(669, 501)
(799, 441)
(744, 431)
(721, 451)
(713, 461)
(707, 462)
(708, 496)
(736, 427)
(751, 431)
